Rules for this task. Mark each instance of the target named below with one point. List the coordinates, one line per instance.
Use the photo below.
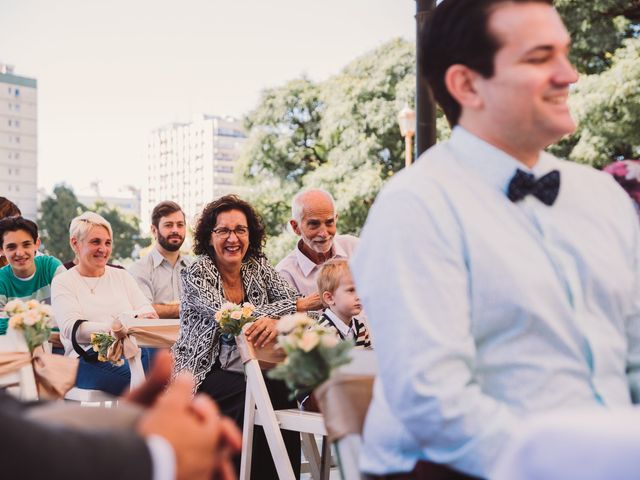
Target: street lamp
(407, 122)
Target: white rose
(309, 340)
(329, 340)
(236, 315)
(228, 306)
(31, 317)
(289, 322)
(15, 306)
(32, 304)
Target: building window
(16, 92)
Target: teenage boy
(338, 294)
(27, 276)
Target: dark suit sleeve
(33, 450)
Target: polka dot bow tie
(545, 188)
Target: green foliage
(597, 29)
(341, 135)
(607, 109)
(305, 371)
(56, 213)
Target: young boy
(338, 294)
(27, 276)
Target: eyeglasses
(225, 233)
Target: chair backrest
(21, 383)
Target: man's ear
(295, 226)
(327, 298)
(460, 81)
(37, 244)
(154, 231)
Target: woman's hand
(262, 331)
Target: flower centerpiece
(232, 317)
(100, 343)
(33, 318)
(312, 353)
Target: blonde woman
(88, 297)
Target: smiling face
(20, 250)
(93, 251)
(230, 249)
(170, 231)
(317, 226)
(524, 104)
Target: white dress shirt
(492, 310)
(302, 273)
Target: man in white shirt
(499, 281)
(158, 274)
(313, 219)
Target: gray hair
(81, 225)
(297, 204)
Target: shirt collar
(157, 258)
(307, 265)
(489, 162)
(339, 324)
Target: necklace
(92, 290)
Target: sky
(110, 71)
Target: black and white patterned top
(198, 344)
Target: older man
(483, 267)
(158, 274)
(314, 220)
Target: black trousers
(228, 390)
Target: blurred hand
(309, 303)
(157, 379)
(203, 441)
(262, 331)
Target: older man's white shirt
(302, 273)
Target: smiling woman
(96, 293)
(232, 268)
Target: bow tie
(545, 188)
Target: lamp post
(407, 123)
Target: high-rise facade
(18, 140)
(192, 163)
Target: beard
(168, 246)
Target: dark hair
(208, 219)
(8, 208)
(162, 210)
(458, 33)
(13, 224)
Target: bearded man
(158, 274)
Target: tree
(606, 99)
(340, 134)
(56, 213)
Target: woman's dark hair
(8, 208)
(458, 33)
(208, 219)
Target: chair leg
(311, 453)
(247, 436)
(325, 467)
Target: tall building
(192, 163)
(18, 140)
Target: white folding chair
(22, 383)
(258, 410)
(97, 397)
